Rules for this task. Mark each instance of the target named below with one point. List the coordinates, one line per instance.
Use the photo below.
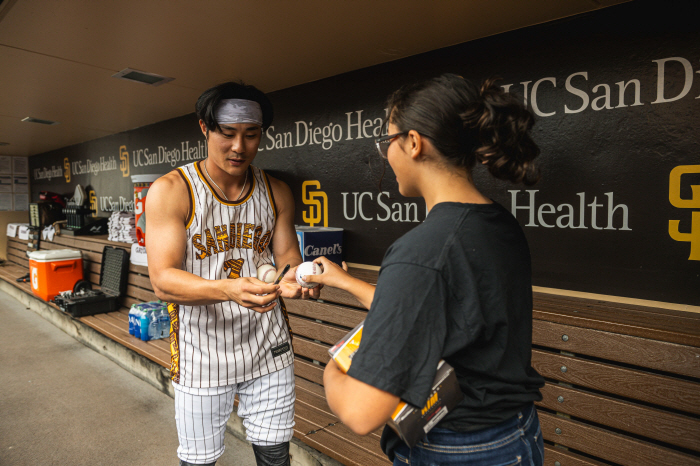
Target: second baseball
(267, 273)
(307, 268)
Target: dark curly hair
(206, 105)
(467, 124)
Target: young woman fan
(457, 287)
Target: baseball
(307, 268)
(267, 273)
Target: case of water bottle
(149, 321)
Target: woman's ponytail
(503, 126)
(467, 124)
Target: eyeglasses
(384, 142)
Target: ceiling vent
(151, 79)
(41, 122)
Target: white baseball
(307, 268)
(267, 273)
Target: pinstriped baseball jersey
(225, 343)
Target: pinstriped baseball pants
(265, 404)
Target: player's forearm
(293, 258)
(178, 286)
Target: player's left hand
(291, 289)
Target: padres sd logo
(66, 169)
(317, 202)
(93, 202)
(674, 197)
(124, 161)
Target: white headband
(239, 111)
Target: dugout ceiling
(57, 57)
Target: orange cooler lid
(54, 255)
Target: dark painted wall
(613, 213)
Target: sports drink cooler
(54, 271)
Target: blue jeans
(517, 441)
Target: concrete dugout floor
(62, 403)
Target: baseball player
(211, 224)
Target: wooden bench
(623, 381)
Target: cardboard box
(315, 242)
(409, 422)
(412, 423)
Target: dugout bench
(622, 381)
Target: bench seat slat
(141, 347)
(333, 446)
(310, 349)
(637, 330)
(670, 329)
(634, 321)
(17, 253)
(115, 322)
(11, 272)
(610, 446)
(653, 315)
(21, 255)
(338, 296)
(128, 301)
(88, 243)
(319, 395)
(367, 275)
(140, 281)
(326, 312)
(566, 458)
(122, 317)
(313, 388)
(308, 371)
(656, 424)
(308, 410)
(140, 293)
(663, 356)
(52, 246)
(651, 388)
(316, 330)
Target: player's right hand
(332, 274)
(252, 293)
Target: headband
(239, 111)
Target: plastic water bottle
(154, 324)
(145, 323)
(164, 320)
(132, 320)
(137, 322)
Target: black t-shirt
(457, 287)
